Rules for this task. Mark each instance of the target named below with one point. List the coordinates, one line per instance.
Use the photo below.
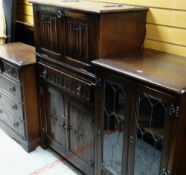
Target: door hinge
(174, 111)
(165, 172)
(98, 81)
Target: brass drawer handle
(13, 89)
(14, 107)
(16, 124)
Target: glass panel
(149, 141)
(113, 128)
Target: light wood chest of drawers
(18, 95)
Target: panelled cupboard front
(67, 116)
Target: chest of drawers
(18, 95)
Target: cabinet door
(114, 127)
(80, 39)
(53, 118)
(50, 32)
(81, 135)
(152, 131)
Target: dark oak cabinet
(67, 40)
(19, 116)
(140, 121)
(77, 36)
(67, 117)
(106, 105)
(134, 143)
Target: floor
(14, 160)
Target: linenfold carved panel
(77, 40)
(49, 34)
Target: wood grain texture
(18, 53)
(157, 68)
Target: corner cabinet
(140, 125)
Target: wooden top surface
(150, 66)
(18, 53)
(89, 6)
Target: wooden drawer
(10, 70)
(13, 122)
(10, 87)
(11, 105)
(73, 85)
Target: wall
(166, 22)
(24, 12)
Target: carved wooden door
(80, 135)
(152, 133)
(50, 32)
(80, 39)
(54, 122)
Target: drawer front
(10, 71)
(11, 105)
(10, 87)
(13, 122)
(81, 89)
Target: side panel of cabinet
(151, 133)
(53, 120)
(80, 135)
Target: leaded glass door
(152, 137)
(115, 125)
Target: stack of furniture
(106, 105)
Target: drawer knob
(13, 89)
(44, 74)
(60, 14)
(16, 124)
(78, 90)
(14, 107)
(131, 139)
(0, 96)
(1, 111)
